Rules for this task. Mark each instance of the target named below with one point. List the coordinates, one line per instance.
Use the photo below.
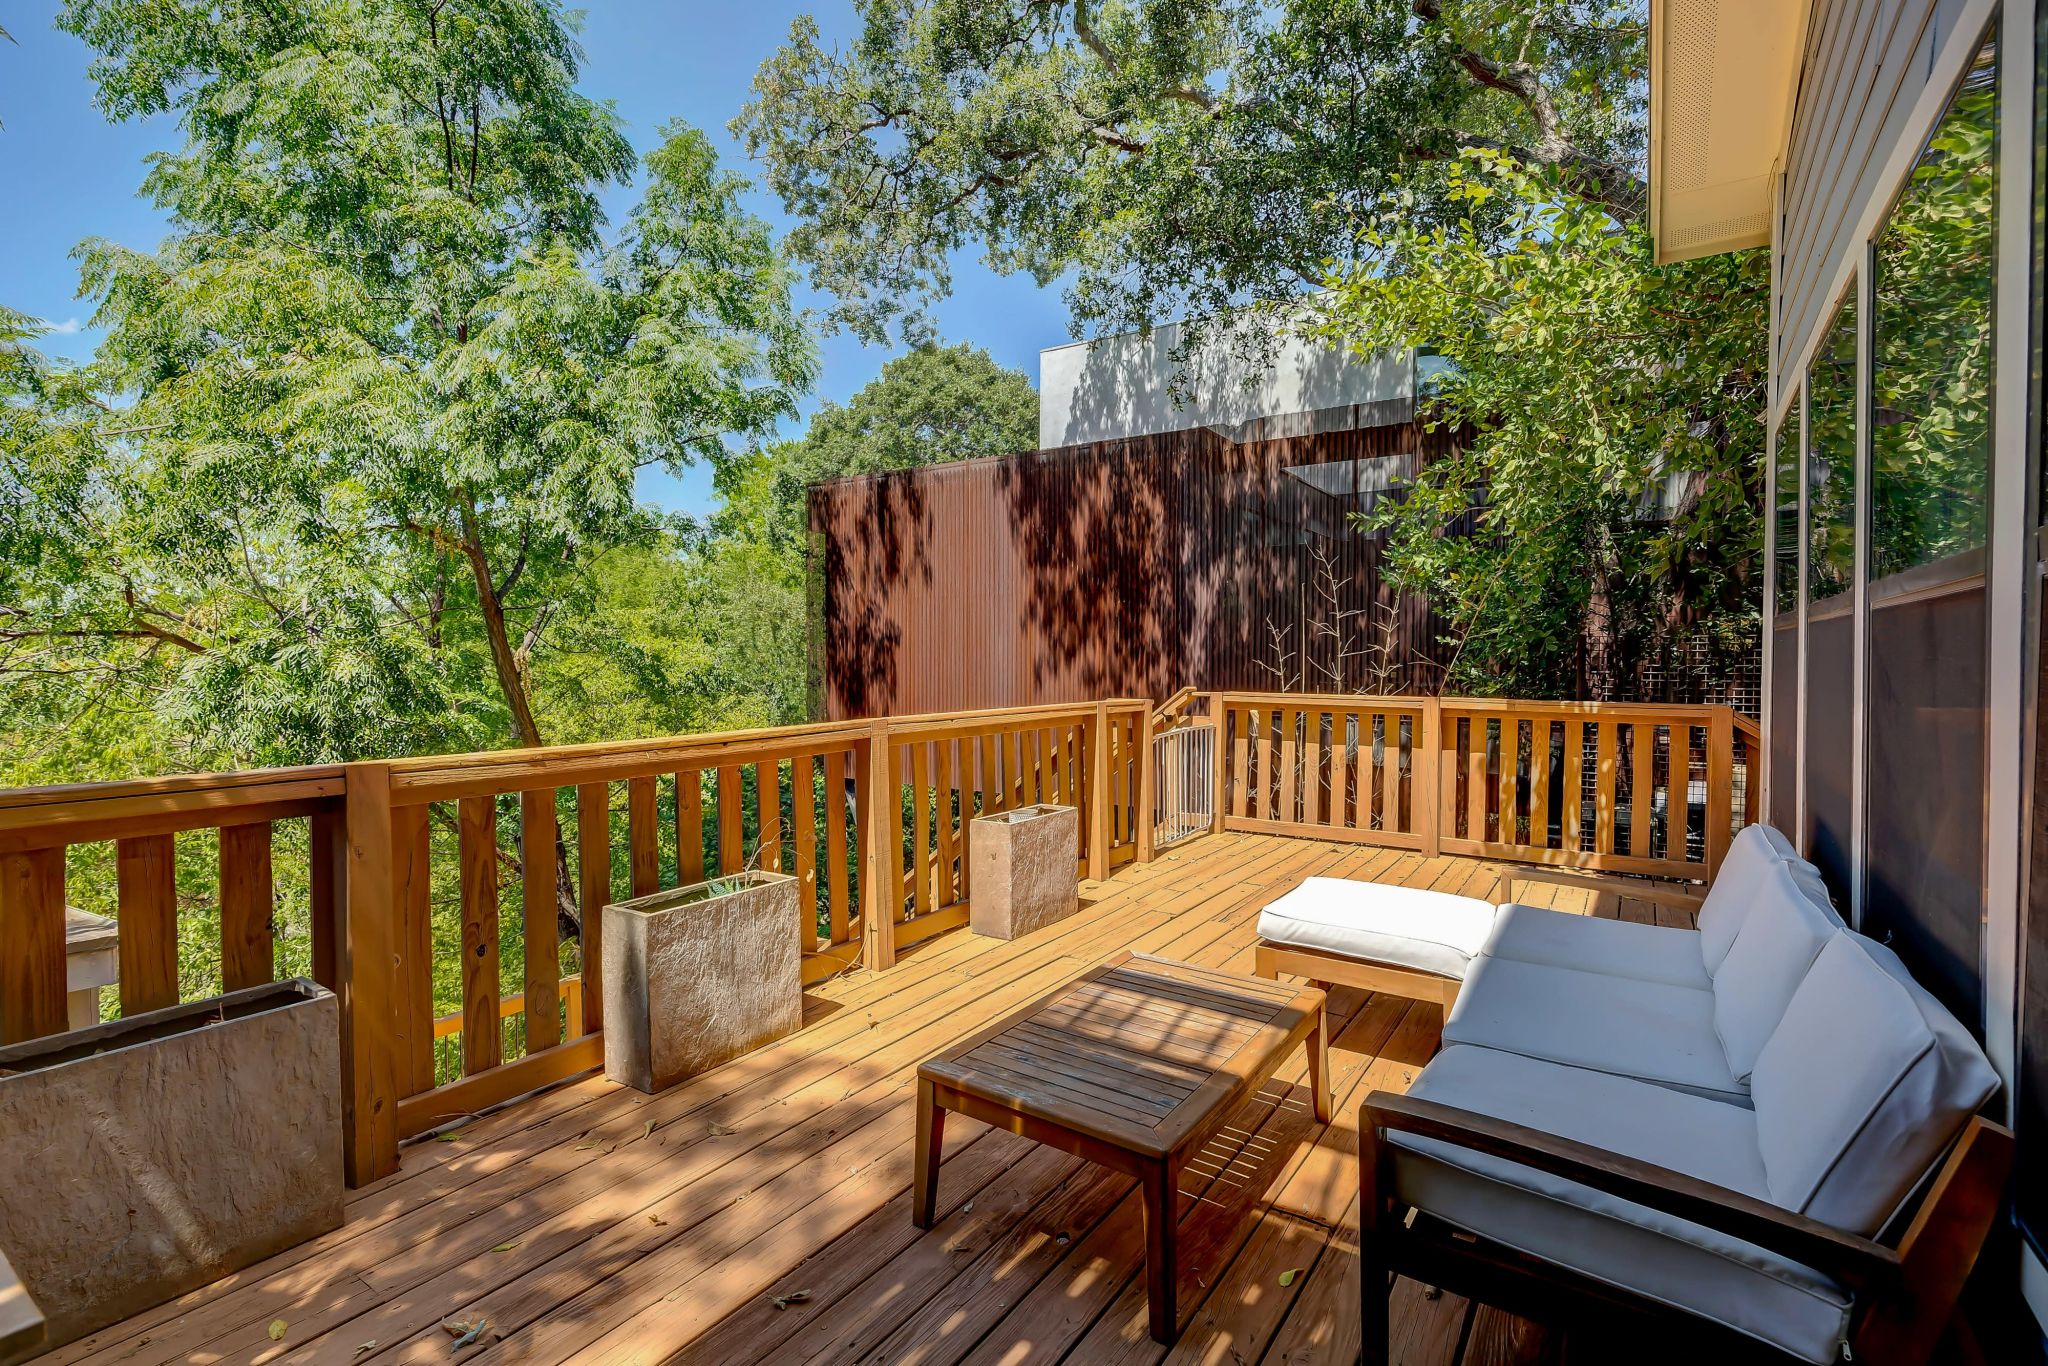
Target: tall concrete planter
(1024, 870)
(696, 976)
(147, 1156)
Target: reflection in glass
(1785, 517)
(1931, 341)
(1831, 459)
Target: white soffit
(1720, 99)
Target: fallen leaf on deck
(472, 1331)
(585, 1147)
(278, 1328)
(656, 1220)
(1287, 1277)
(721, 1130)
(648, 1132)
(793, 1297)
(369, 1346)
(447, 1138)
(967, 1208)
(1061, 1239)
(506, 1247)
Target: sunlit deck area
(761, 1212)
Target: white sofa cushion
(1615, 1241)
(1408, 927)
(1750, 856)
(1619, 948)
(1653, 1031)
(1780, 937)
(1862, 1086)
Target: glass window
(1931, 341)
(1831, 459)
(1785, 517)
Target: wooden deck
(762, 1212)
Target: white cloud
(68, 328)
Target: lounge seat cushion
(1619, 948)
(1752, 853)
(1409, 927)
(1783, 933)
(1615, 1241)
(1862, 1086)
(1652, 1031)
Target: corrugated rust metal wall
(1125, 568)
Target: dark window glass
(1831, 460)
(1931, 341)
(1785, 518)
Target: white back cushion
(1861, 1088)
(1749, 858)
(1780, 937)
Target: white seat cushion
(1863, 1085)
(1407, 927)
(1750, 855)
(1619, 948)
(1615, 1241)
(1652, 1031)
(1783, 933)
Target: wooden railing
(432, 893)
(1612, 786)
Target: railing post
(1720, 785)
(368, 970)
(1219, 728)
(1429, 799)
(1098, 794)
(1146, 778)
(882, 872)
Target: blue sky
(67, 174)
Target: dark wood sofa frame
(1905, 1295)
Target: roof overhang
(1722, 78)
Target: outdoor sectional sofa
(1763, 1130)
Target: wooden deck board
(593, 1224)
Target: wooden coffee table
(1134, 1065)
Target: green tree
(384, 390)
(1169, 159)
(932, 405)
(1609, 493)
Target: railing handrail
(171, 786)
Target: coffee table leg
(1159, 1246)
(1319, 1066)
(931, 1140)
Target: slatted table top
(1140, 1052)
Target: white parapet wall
(1123, 386)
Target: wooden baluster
(1642, 800)
(537, 885)
(32, 966)
(1288, 798)
(732, 816)
(1422, 763)
(1604, 779)
(1098, 794)
(1240, 760)
(1539, 783)
(949, 845)
(1148, 780)
(803, 816)
(145, 869)
(248, 955)
(1269, 735)
(1720, 761)
(594, 889)
(1572, 815)
(1055, 763)
(768, 814)
(1510, 824)
(326, 879)
(1476, 755)
(920, 826)
(371, 1077)
(1312, 768)
(412, 872)
(883, 874)
(643, 836)
(478, 827)
(689, 827)
(835, 846)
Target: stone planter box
(148, 1156)
(696, 976)
(1024, 870)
